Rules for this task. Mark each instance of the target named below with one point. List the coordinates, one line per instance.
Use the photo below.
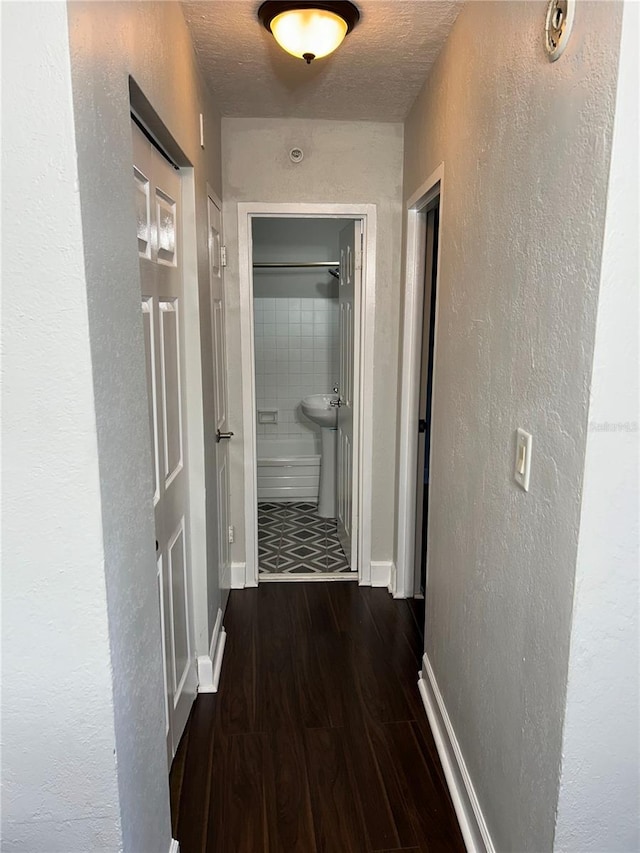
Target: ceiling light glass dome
(309, 33)
(309, 30)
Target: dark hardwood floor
(317, 739)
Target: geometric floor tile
(293, 539)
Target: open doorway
(303, 296)
(425, 396)
(307, 287)
(418, 371)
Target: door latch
(335, 403)
(222, 435)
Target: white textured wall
(59, 786)
(357, 162)
(149, 41)
(525, 145)
(599, 804)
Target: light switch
(523, 459)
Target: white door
(158, 189)
(216, 285)
(350, 267)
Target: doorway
(287, 440)
(425, 396)
(303, 293)
(419, 362)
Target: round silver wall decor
(558, 25)
(296, 155)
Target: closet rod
(292, 264)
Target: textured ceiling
(375, 75)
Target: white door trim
(411, 350)
(364, 401)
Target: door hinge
(422, 425)
(223, 256)
(360, 253)
(232, 534)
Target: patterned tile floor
(294, 540)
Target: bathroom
(297, 354)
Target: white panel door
(349, 271)
(218, 339)
(158, 189)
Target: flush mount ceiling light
(309, 30)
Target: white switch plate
(522, 470)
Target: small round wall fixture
(309, 30)
(557, 27)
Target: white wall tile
(296, 354)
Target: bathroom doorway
(303, 290)
(307, 281)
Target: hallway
(161, 331)
(317, 739)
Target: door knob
(221, 435)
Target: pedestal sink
(318, 408)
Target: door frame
(363, 376)
(411, 352)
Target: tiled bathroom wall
(296, 354)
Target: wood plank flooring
(317, 741)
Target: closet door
(158, 190)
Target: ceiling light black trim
(347, 11)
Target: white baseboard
(383, 574)
(209, 666)
(393, 579)
(465, 801)
(238, 575)
(174, 847)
